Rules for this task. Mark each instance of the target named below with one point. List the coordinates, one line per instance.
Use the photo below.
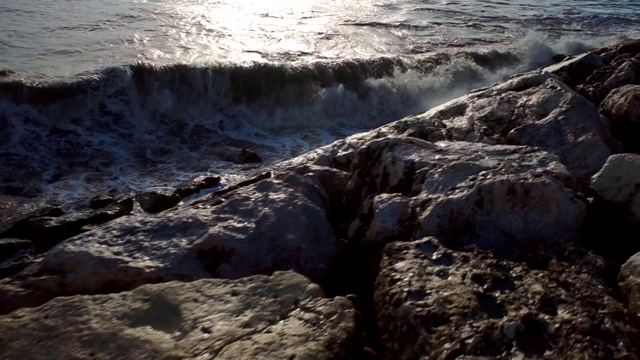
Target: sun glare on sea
(254, 28)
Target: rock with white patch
(510, 199)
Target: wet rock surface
(277, 317)
(197, 184)
(157, 201)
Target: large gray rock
(574, 71)
(621, 111)
(436, 303)
(273, 224)
(283, 316)
(618, 181)
(534, 109)
(629, 279)
(510, 199)
(622, 70)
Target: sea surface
(117, 96)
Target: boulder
(534, 109)
(629, 280)
(156, 201)
(15, 255)
(509, 199)
(274, 224)
(622, 70)
(101, 200)
(197, 184)
(282, 316)
(45, 232)
(433, 302)
(235, 155)
(48, 226)
(16, 226)
(621, 111)
(575, 70)
(10, 246)
(618, 181)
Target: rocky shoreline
(502, 224)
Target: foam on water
(141, 126)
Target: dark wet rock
(235, 155)
(622, 68)
(574, 71)
(15, 255)
(101, 200)
(47, 231)
(533, 109)
(156, 201)
(17, 225)
(7, 73)
(197, 184)
(509, 199)
(10, 246)
(283, 316)
(433, 302)
(13, 295)
(20, 190)
(621, 111)
(274, 224)
(629, 279)
(216, 196)
(17, 262)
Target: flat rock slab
(273, 224)
(282, 316)
(436, 303)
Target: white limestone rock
(510, 199)
(534, 109)
(618, 181)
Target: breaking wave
(144, 114)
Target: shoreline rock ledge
(503, 224)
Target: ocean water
(116, 96)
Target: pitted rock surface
(436, 303)
(282, 316)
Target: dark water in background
(116, 96)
